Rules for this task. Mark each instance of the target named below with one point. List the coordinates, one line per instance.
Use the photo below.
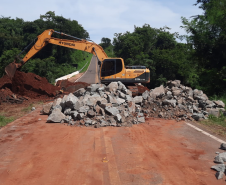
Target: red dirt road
(154, 153)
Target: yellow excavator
(111, 69)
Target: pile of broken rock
(220, 159)
(113, 105)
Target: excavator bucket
(11, 69)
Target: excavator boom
(45, 38)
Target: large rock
(77, 105)
(219, 175)
(102, 100)
(80, 92)
(83, 109)
(46, 109)
(175, 83)
(158, 91)
(88, 121)
(202, 97)
(128, 92)
(169, 102)
(67, 111)
(99, 110)
(220, 158)
(129, 98)
(118, 118)
(70, 101)
(112, 110)
(122, 87)
(62, 103)
(131, 106)
(219, 104)
(138, 99)
(223, 146)
(104, 105)
(145, 95)
(176, 92)
(219, 167)
(197, 92)
(120, 101)
(209, 104)
(56, 116)
(122, 95)
(74, 114)
(111, 99)
(56, 102)
(214, 112)
(91, 113)
(91, 101)
(141, 119)
(113, 86)
(80, 116)
(94, 87)
(197, 116)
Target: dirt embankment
(25, 86)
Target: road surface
(154, 153)
(158, 152)
(91, 75)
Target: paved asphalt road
(158, 152)
(91, 75)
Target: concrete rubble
(113, 105)
(220, 159)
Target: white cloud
(102, 18)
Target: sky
(104, 18)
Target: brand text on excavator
(66, 43)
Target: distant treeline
(52, 61)
(199, 61)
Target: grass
(81, 64)
(27, 109)
(217, 124)
(4, 120)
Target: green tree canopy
(207, 35)
(16, 34)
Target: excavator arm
(45, 38)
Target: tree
(105, 42)
(16, 34)
(158, 50)
(208, 37)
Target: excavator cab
(111, 67)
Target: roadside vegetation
(28, 108)
(86, 61)
(216, 124)
(5, 120)
(52, 61)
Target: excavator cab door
(108, 68)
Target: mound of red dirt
(32, 85)
(25, 86)
(5, 81)
(71, 87)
